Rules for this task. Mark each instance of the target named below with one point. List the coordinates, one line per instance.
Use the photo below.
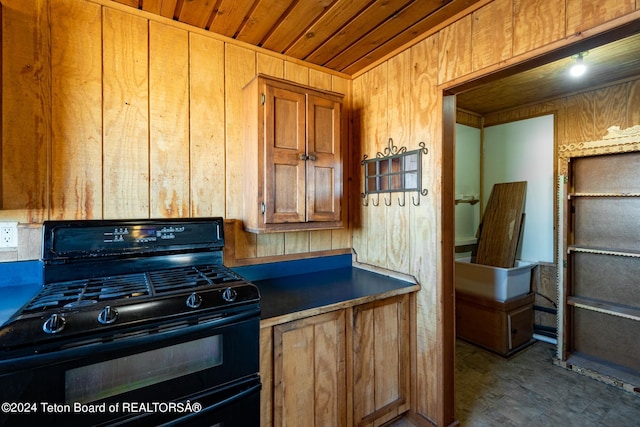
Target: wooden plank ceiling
(610, 63)
(343, 35)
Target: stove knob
(194, 300)
(107, 315)
(54, 324)
(229, 295)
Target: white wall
(523, 151)
(467, 183)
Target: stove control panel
(86, 239)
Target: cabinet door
(520, 326)
(324, 183)
(381, 357)
(309, 371)
(284, 151)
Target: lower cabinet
(347, 367)
(381, 349)
(502, 327)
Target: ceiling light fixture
(579, 67)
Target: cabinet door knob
(311, 157)
(303, 156)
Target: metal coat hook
(385, 201)
(424, 192)
(404, 200)
(365, 199)
(376, 204)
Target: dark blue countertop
(299, 292)
(19, 282)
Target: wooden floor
(528, 390)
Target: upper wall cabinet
(292, 148)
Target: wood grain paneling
(26, 113)
(266, 376)
(239, 69)
(376, 137)
(206, 118)
(340, 13)
(229, 15)
(169, 121)
(398, 230)
(426, 110)
(501, 225)
(633, 103)
(491, 32)
(125, 133)
(580, 119)
(309, 371)
(585, 14)
(537, 23)
(265, 14)
(455, 44)
(358, 212)
(196, 12)
(76, 97)
(610, 103)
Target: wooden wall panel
(357, 210)
(455, 46)
(398, 231)
(169, 121)
(76, 98)
(207, 118)
(633, 103)
(269, 65)
(240, 67)
(26, 113)
(579, 119)
(125, 133)
(376, 135)
(537, 23)
(426, 113)
(610, 108)
(585, 14)
(491, 32)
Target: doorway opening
(494, 90)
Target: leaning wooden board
(501, 225)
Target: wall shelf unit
(599, 239)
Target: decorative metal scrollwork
(394, 170)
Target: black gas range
(134, 311)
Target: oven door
(163, 371)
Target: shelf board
(604, 307)
(634, 253)
(570, 195)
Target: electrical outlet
(8, 234)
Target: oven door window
(116, 376)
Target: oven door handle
(218, 405)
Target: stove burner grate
(78, 293)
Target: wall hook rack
(394, 169)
